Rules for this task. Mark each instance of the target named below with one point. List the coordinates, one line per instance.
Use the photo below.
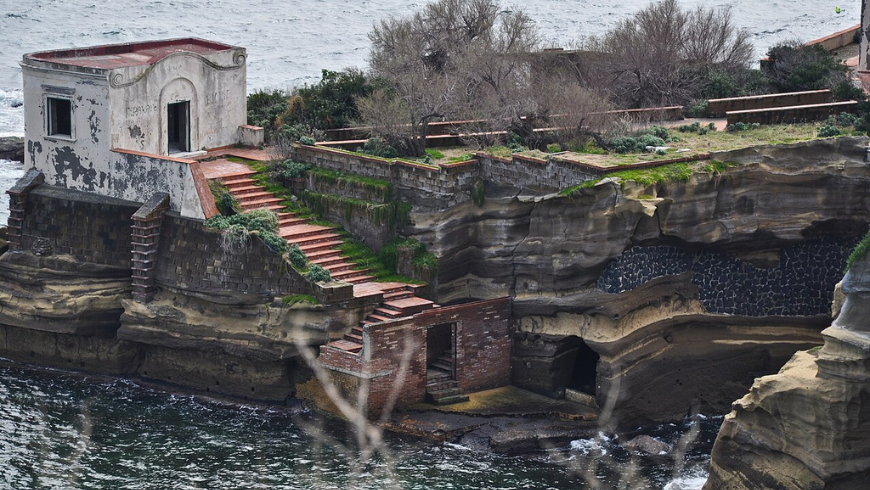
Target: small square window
(59, 113)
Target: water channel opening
(584, 374)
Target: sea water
(61, 431)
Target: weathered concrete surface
(12, 148)
(548, 252)
(807, 427)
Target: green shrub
(261, 222)
(846, 90)
(264, 107)
(307, 140)
(711, 126)
(318, 274)
(478, 194)
(859, 252)
(742, 126)
(658, 131)
(378, 147)
(227, 204)
(661, 151)
(289, 169)
(554, 148)
(297, 257)
(793, 67)
(846, 119)
(696, 109)
(624, 144)
(419, 257)
(647, 140)
(827, 131)
(703, 131)
(300, 298)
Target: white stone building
(123, 120)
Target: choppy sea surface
(64, 431)
(59, 431)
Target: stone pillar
(146, 238)
(864, 53)
(17, 197)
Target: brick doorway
(441, 385)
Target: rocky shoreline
(12, 148)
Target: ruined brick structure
(480, 352)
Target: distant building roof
(111, 56)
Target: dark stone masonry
(801, 284)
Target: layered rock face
(689, 289)
(807, 427)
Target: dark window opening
(59, 117)
(178, 126)
(440, 352)
(584, 375)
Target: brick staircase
(399, 302)
(320, 243)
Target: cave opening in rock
(584, 373)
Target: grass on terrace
(695, 143)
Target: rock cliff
(687, 288)
(807, 427)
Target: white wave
(694, 479)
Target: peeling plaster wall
(214, 85)
(78, 162)
(126, 109)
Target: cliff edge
(807, 427)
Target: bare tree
(443, 60)
(661, 55)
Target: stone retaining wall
(192, 258)
(90, 227)
(553, 174)
(801, 284)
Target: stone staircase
(399, 302)
(441, 388)
(320, 243)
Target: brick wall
(777, 115)
(718, 107)
(385, 345)
(90, 227)
(191, 257)
(483, 345)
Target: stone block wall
(370, 223)
(350, 189)
(90, 227)
(192, 258)
(801, 284)
(552, 175)
(483, 344)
